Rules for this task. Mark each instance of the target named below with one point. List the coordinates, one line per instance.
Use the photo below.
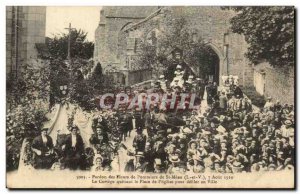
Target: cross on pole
(69, 41)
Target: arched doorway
(209, 65)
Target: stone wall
(139, 76)
(21, 41)
(127, 78)
(213, 25)
(108, 36)
(210, 23)
(117, 77)
(276, 82)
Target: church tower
(108, 33)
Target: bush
(27, 99)
(256, 99)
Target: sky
(85, 18)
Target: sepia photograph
(145, 97)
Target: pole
(69, 41)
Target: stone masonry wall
(279, 83)
(112, 20)
(31, 21)
(211, 24)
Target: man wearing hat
(209, 97)
(157, 87)
(203, 122)
(237, 92)
(214, 89)
(139, 141)
(158, 166)
(192, 150)
(136, 120)
(269, 104)
(171, 148)
(223, 102)
(149, 157)
(198, 165)
(141, 164)
(229, 164)
(125, 125)
(175, 167)
(287, 129)
(159, 152)
(200, 88)
(170, 71)
(189, 83)
(42, 147)
(218, 167)
(74, 149)
(149, 122)
(182, 149)
(237, 167)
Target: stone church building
(122, 29)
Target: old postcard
(192, 97)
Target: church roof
(138, 12)
(144, 20)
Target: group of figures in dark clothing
(69, 151)
(229, 136)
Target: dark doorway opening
(209, 65)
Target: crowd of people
(229, 136)
(226, 141)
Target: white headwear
(178, 67)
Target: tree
(176, 34)
(70, 73)
(80, 90)
(97, 74)
(80, 47)
(97, 77)
(269, 31)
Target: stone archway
(222, 64)
(211, 64)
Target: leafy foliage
(97, 77)
(269, 31)
(84, 82)
(71, 73)
(80, 47)
(67, 82)
(27, 99)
